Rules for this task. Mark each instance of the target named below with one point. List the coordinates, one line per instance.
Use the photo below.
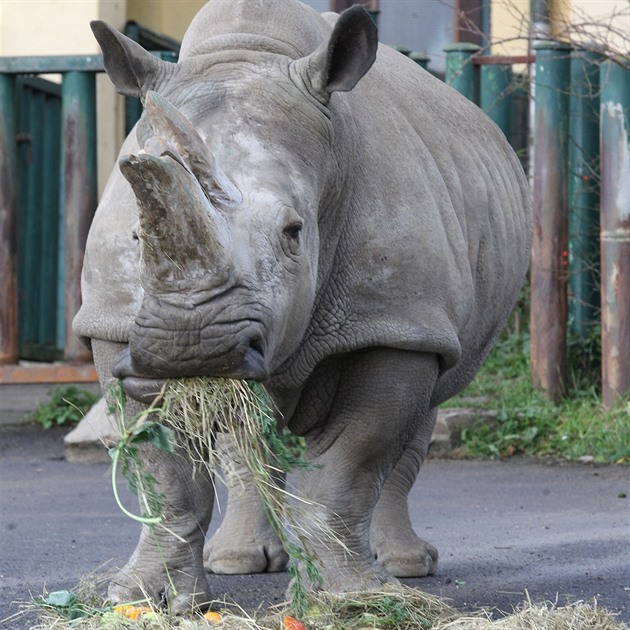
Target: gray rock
(93, 436)
(447, 434)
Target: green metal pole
(79, 192)
(550, 245)
(8, 222)
(615, 228)
(401, 49)
(496, 95)
(584, 296)
(461, 73)
(421, 58)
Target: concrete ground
(556, 531)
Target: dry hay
(395, 607)
(201, 408)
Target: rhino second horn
(184, 240)
(167, 122)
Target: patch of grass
(67, 405)
(529, 424)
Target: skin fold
(300, 206)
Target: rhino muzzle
(139, 385)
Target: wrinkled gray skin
(351, 232)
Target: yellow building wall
(509, 25)
(602, 23)
(62, 27)
(168, 17)
(605, 22)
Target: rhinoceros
(300, 206)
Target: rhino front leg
(394, 543)
(245, 542)
(167, 565)
(382, 396)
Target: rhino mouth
(145, 388)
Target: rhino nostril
(254, 363)
(256, 346)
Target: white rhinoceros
(304, 207)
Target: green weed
(67, 405)
(529, 424)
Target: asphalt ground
(505, 530)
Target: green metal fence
(38, 223)
(56, 197)
(48, 195)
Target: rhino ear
(132, 69)
(339, 63)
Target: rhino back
(435, 241)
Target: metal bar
(8, 223)
(502, 60)
(51, 373)
(30, 223)
(615, 229)
(584, 298)
(49, 183)
(51, 64)
(496, 95)
(150, 39)
(421, 58)
(461, 73)
(79, 192)
(549, 249)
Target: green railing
(76, 163)
(48, 195)
(569, 202)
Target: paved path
(502, 528)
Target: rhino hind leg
(395, 545)
(381, 401)
(245, 542)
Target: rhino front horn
(184, 240)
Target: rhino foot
(348, 580)
(229, 552)
(180, 591)
(245, 542)
(408, 556)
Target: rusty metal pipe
(79, 192)
(615, 229)
(551, 196)
(8, 223)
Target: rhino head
(235, 164)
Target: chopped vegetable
(289, 623)
(132, 612)
(212, 616)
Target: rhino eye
(134, 236)
(293, 230)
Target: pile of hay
(195, 411)
(395, 607)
